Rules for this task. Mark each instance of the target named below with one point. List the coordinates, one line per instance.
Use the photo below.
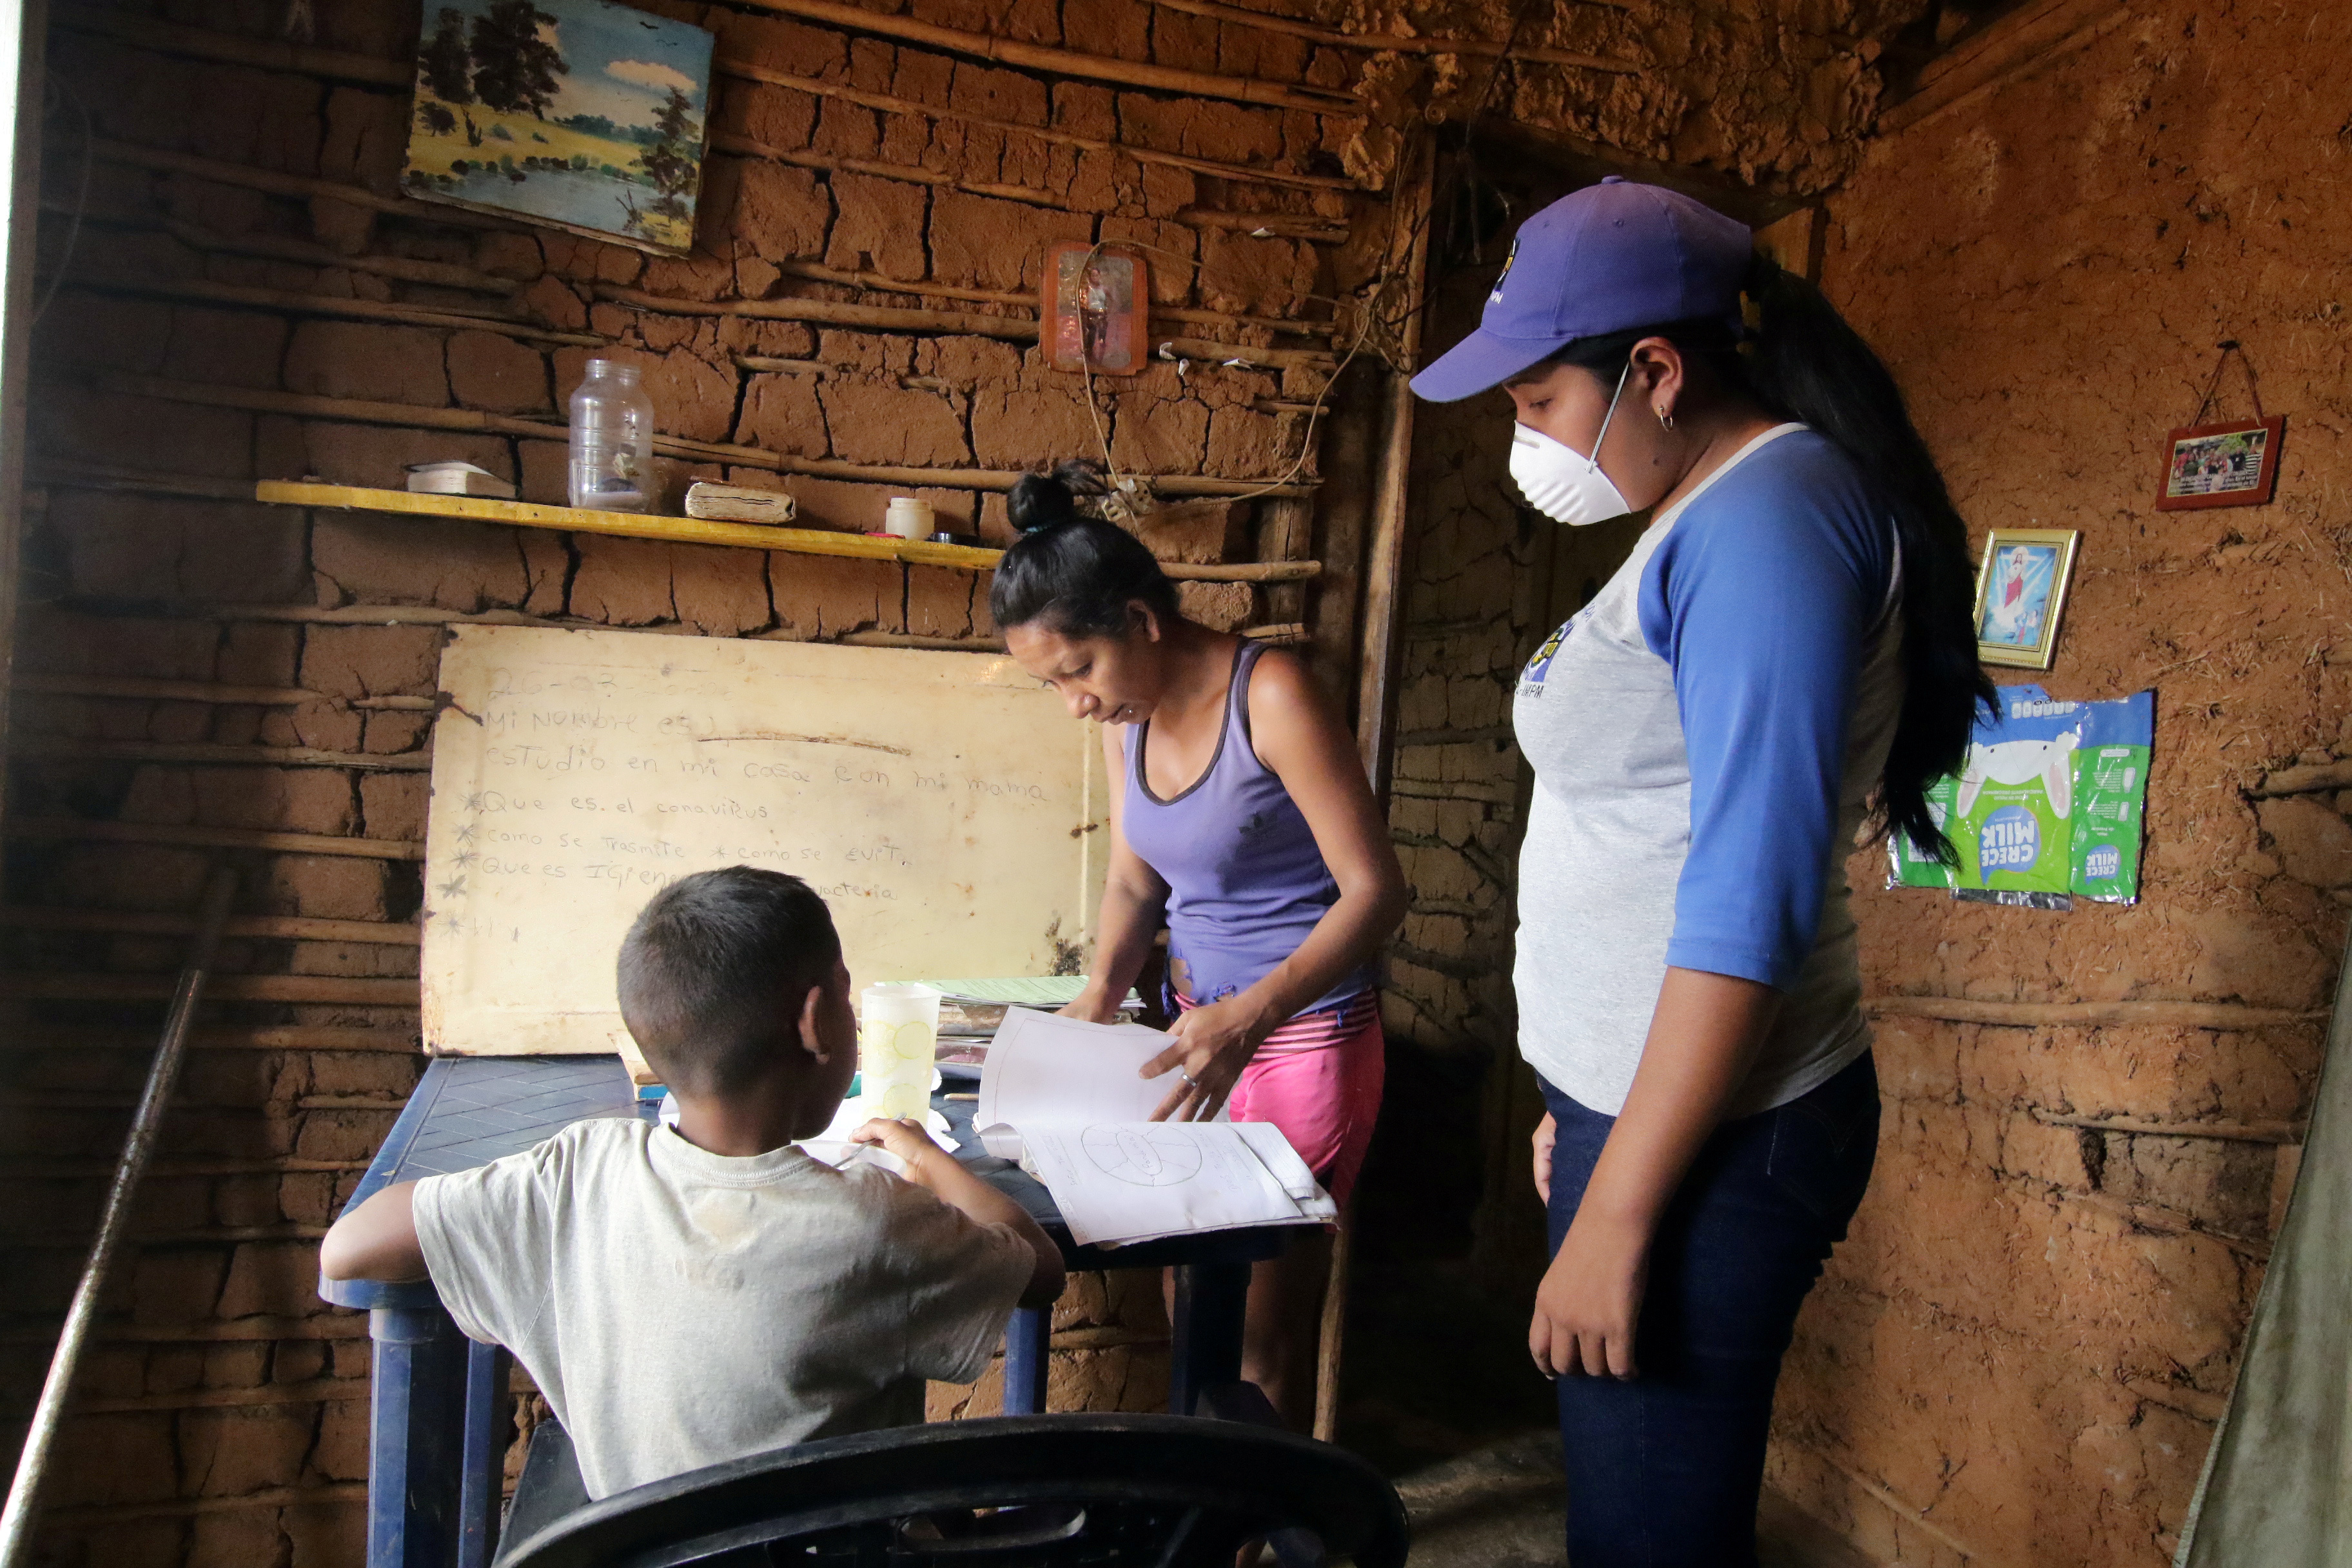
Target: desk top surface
(469, 1111)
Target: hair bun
(1040, 501)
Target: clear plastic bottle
(612, 440)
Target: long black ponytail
(1805, 364)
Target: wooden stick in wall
(286, 248)
(136, 922)
(326, 988)
(912, 174)
(1389, 43)
(300, 187)
(1280, 225)
(263, 1038)
(750, 72)
(2220, 1131)
(2091, 1014)
(204, 43)
(1067, 62)
(334, 306)
(830, 312)
(138, 688)
(69, 748)
(75, 829)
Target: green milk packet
(2048, 803)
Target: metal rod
(138, 1150)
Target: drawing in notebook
(1067, 1100)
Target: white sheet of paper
(1044, 1069)
(1130, 1180)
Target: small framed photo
(2020, 593)
(1097, 296)
(2220, 464)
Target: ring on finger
(1186, 1074)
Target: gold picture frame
(2021, 586)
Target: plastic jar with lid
(612, 440)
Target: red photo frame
(1096, 299)
(2230, 464)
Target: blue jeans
(1663, 1470)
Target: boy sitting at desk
(687, 1295)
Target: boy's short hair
(715, 970)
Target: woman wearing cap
(1244, 817)
(1786, 655)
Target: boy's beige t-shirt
(678, 1308)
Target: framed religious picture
(2020, 593)
(577, 115)
(2220, 464)
(1096, 301)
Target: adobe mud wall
(202, 676)
(2019, 1355)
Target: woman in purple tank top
(1244, 819)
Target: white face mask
(1562, 482)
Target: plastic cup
(909, 518)
(897, 1037)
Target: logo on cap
(1506, 272)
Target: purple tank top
(1245, 881)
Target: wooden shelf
(630, 524)
(701, 530)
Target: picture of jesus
(2019, 592)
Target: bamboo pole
(1278, 359)
(325, 1326)
(135, 923)
(809, 367)
(204, 43)
(1389, 43)
(767, 75)
(139, 481)
(335, 307)
(352, 990)
(74, 829)
(269, 1499)
(69, 748)
(2091, 1014)
(16, 1522)
(1066, 62)
(313, 1391)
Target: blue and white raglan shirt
(1704, 735)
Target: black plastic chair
(1030, 1492)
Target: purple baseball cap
(1602, 260)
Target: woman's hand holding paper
(1213, 1044)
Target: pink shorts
(1324, 1097)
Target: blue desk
(434, 1461)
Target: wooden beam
(353, 1493)
(75, 829)
(28, 1329)
(912, 174)
(1068, 62)
(139, 922)
(2091, 1014)
(1384, 554)
(768, 75)
(1181, 314)
(70, 748)
(136, 689)
(1308, 227)
(328, 1038)
(2029, 39)
(830, 312)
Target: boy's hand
(905, 1139)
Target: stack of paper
(1067, 1098)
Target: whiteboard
(944, 803)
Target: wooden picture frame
(2021, 594)
(2231, 464)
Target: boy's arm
(943, 1175)
(376, 1241)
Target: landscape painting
(582, 114)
